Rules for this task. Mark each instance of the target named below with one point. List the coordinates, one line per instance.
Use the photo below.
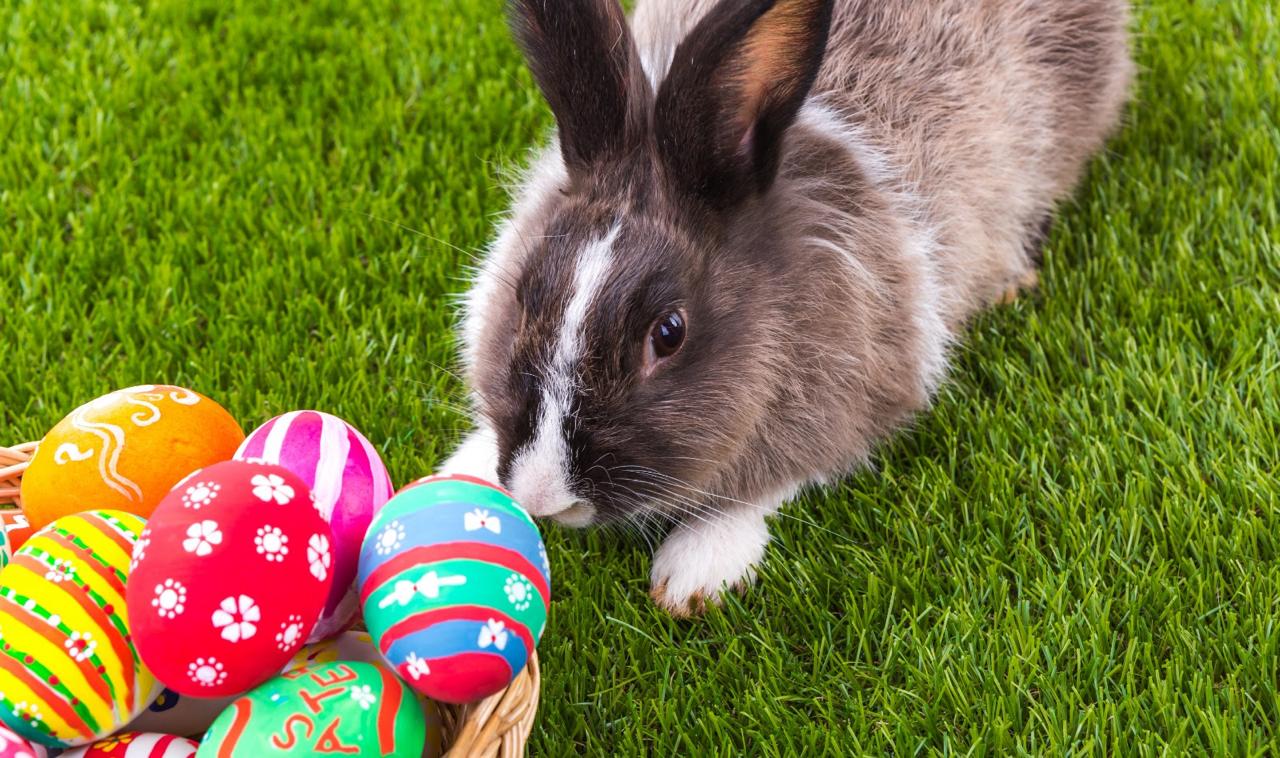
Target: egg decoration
(347, 708)
(5, 552)
(14, 746)
(137, 745)
(358, 646)
(125, 450)
(455, 585)
(236, 563)
(69, 670)
(349, 483)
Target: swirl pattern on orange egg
(125, 450)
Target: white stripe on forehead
(540, 472)
(593, 266)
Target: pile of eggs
(170, 578)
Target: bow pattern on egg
(493, 633)
(480, 519)
(428, 585)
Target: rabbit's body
(825, 253)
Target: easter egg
(69, 671)
(455, 585)
(348, 708)
(182, 714)
(5, 551)
(17, 530)
(349, 483)
(125, 450)
(236, 564)
(358, 646)
(14, 746)
(137, 745)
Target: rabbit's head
(622, 340)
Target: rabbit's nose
(545, 494)
(555, 503)
(543, 502)
(579, 515)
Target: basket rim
(497, 725)
(13, 462)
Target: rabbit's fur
(826, 223)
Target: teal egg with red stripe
(456, 586)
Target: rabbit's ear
(584, 59)
(736, 83)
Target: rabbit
(752, 242)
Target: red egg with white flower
(229, 577)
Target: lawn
(1075, 551)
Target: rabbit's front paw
(699, 561)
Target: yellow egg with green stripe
(69, 673)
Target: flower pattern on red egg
(224, 595)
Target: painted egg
(236, 564)
(5, 551)
(358, 646)
(349, 483)
(69, 672)
(182, 714)
(125, 450)
(13, 746)
(137, 745)
(348, 708)
(455, 585)
(17, 530)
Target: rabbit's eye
(667, 334)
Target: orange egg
(125, 451)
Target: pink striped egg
(349, 482)
(14, 746)
(137, 745)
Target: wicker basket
(499, 725)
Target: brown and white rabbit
(762, 222)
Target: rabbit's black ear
(736, 83)
(584, 59)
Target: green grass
(1075, 552)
